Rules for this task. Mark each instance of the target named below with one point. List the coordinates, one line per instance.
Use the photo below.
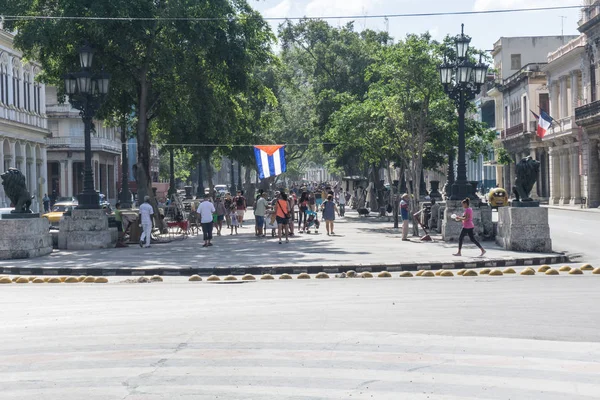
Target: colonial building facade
(23, 123)
(66, 151)
(520, 89)
(587, 115)
(563, 142)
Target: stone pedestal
(486, 222)
(84, 230)
(24, 238)
(451, 229)
(524, 229)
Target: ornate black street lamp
(87, 91)
(462, 80)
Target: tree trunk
(239, 171)
(209, 176)
(143, 177)
(249, 188)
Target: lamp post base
(88, 201)
(461, 190)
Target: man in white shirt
(342, 202)
(146, 220)
(206, 209)
(259, 213)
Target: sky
(485, 30)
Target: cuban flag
(544, 123)
(270, 160)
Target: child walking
(234, 219)
(468, 227)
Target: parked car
(497, 197)
(221, 189)
(58, 210)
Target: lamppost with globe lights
(87, 91)
(462, 80)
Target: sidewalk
(573, 208)
(365, 244)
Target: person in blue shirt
(405, 216)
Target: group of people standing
(281, 212)
(225, 208)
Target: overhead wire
(228, 18)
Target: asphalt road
(576, 232)
(510, 337)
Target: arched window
(27, 91)
(16, 86)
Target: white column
(575, 178)
(574, 91)
(554, 165)
(2, 202)
(44, 171)
(10, 81)
(564, 98)
(71, 180)
(34, 179)
(13, 148)
(554, 99)
(63, 178)
(565, 177)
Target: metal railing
(587, 111)
(512, 131)
(77, 143)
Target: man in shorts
(259, 214)
(240, 202)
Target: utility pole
(562, 27)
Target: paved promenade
(358, 242)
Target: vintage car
(58, 211)
(497, 197)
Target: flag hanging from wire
(270, 160)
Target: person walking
(302, 209)
(291, 207)
(468, 227)
(221, 211)
(342, 203)
(404, 213)
(206, 210)
(240, 204)
(329, 210)
(228, 202)
(233, 217)
(46, 201)
(282, 215)
(145, 219)
(260, 210)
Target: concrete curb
(278, 270)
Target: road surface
(510, 337)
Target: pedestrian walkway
(574, 208)
(367, 243)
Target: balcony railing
(512, 131)
(24, 117)
(77, 143)
(588, 113)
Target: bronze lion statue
(16, 190)
(527, 171)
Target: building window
(39, 104)
(515, 61)
(544, 102)
(593, 82)
(16, 89)
(3, 92)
